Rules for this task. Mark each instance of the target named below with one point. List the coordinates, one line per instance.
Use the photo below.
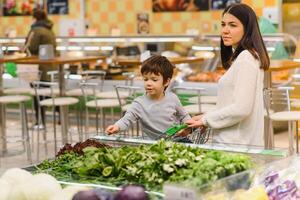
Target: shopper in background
(239, 117)
(40, 33)
(157, 110)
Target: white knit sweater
(239, 117)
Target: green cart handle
(175, 129)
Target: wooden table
(60, 61)
(275, 66)
(3, 60)
(178, 60)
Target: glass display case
(259, 157)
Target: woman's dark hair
(158, 65)
(39, 14)
(251, 40)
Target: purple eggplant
(132, 192)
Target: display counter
(258, 156)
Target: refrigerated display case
(258, 156)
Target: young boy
(157, 110)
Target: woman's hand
(197, 117)
(112, 129)
(195, 122)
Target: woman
(239, 117)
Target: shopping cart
(197, 136)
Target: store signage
(58, 7)
(175, 192)
(71, 27)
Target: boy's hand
(112, 129)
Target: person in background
(157, 110)
(40, 33)
(239, 117)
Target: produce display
(279, 180)
(147, 165)
(129, 192)
(78, 147)
(18, 184)
(282, 179)
(94, 194)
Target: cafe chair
(88, 76)
(25, 139)
(91, 101)
(18, 90)
(54, 75)
(25, 75)
(91, 89)
(131, 92)
(53, 101)
(47, 91)
(197, 107)
(128, 80)
(280, 96)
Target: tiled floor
(18, 156)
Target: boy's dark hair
(158, 65)
(39, 14)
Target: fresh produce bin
(152, 163)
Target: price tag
(174, 192)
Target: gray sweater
(155, 116)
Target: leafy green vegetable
(149, 165)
